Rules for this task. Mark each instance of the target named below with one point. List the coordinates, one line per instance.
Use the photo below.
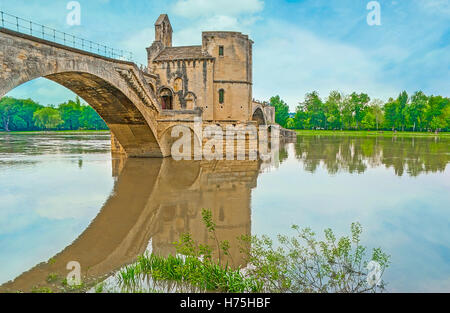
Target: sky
(299, 45)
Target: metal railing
(27, 27)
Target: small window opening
(221, 96)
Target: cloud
(436, 6)
(194, 16)
(52, 90)
(193, 34)
(42, 90)
(137, 43)
(198, 8)
(291, 61)
(83, 206)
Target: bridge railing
(27, 27)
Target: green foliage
(41, 290)
(52, 277)
(303, 263)
(281, 110)
(47, 118)
(357, 112)
(204, 275)
(27, 115)
(297, 264)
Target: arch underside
(123, 118)
(113, 88)
(259, 117)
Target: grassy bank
(365, 133)
(54, 132)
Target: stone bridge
(121, 93)
(116, 89)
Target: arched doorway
(166, 98)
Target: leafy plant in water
(300, 263)
(304, 264)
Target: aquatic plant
(300, 263)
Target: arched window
(221, 96)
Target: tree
(314, 108)
(301, 118)
(47, 118)
(415, 113)
(402, 109)
(281, 110)
(436, 111)
(8, 108)
(332, 110)
(89, 119)
(347, 114)
(290, 123)
(359, 103)
(376, 107)
(390, 115)
(368, 121)
(70, 114)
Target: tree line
(28, 115)
(357, 111)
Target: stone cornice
(138, 88)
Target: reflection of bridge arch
(117, 90)
(155, 199)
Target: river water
(64, 198)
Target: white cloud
(436, 6)
(293, 61)
(197, 8)
(86, 207)
(193, 34)
(137, 43)
(42, 90)
(204, 15)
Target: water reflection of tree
(283, 153)
(355, 154)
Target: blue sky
(300, 46)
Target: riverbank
(54, 132)
(365, 133)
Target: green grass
(52, 277)
(365, 133)
(208, 276)
(54, 132)
(41, 290)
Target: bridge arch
(259, 116)
(117, 90)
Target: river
(63, 198)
